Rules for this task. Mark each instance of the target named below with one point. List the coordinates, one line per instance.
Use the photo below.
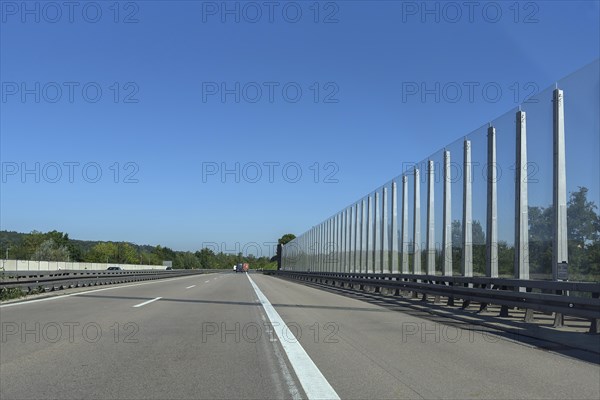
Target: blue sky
(161, 119)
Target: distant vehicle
(241, 267)
(114, 269)
(169, 269)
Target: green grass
(270, 266)
(11, 293)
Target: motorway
(229, 336)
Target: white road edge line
(62, 296)
(312, 380)
(189, 287)
(147, 302)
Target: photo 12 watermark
(434, 332)
(455, 12)
(71, 332)
(271, 12)
(69, 172)
(69, 92)
(270, 172)
(70, 12)
(265, 249)
(479, 171)
(252, 332)
(468, 92)
(270, 92)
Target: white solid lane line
(313, 382)
(147, 302)
(189, 287)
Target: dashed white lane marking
(189, 287)
(147, 302)
(206, 281)
(312, 380)
(62, 296)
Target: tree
(540, 239)
(164, 253)
(288, 237)
(583, 224)
(186, 260)
(583, 235)
(477, 242)
(102, 252)
(207, 258)
(126, 254)
(48, 250)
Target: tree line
(57, 246)
(583, 238)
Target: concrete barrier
(26, 265)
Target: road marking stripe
(205, 281)
(147, 302)
(62, 296)
(312, 380)
(189, 287)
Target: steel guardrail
(30, 281)
(578, 299)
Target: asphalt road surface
(229, 336)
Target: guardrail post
(385, 255)
(394, 228)
(430, 220)
(560, 251)
(404, 224)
